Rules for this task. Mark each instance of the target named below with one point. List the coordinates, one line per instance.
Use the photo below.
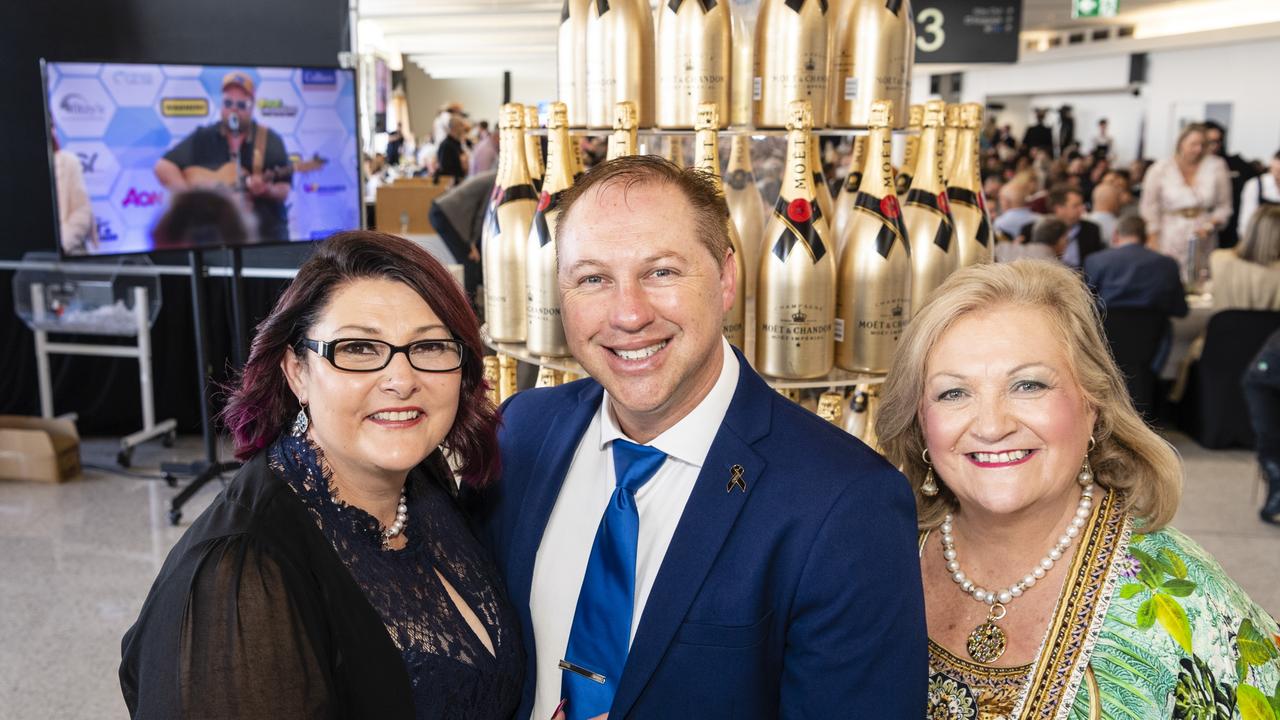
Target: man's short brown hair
(698, 188)
(1060, 195)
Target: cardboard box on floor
(33, 448)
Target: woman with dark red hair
(336, 576)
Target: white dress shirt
(566, 544)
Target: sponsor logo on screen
(184, 107)
(276, 108)
(319, 189)
(142, 198)
(320, 77)
(88, 161)
(105, 232)
(81, 106)
(126, 77)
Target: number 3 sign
(967, 31)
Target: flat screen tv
(179, 157)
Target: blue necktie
(601, 632)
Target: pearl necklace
(987, 642)
(402, 515)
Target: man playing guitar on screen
(238, 153)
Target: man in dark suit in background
(679, 540)
(1084, 238)
(1131, 275)
(1038, 135)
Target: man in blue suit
(1131, 275)
(679, 540)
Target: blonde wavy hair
(1129, 456)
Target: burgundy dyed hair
(262, 405)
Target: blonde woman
(1247, 277)
(1187, 197)
(1053, 585)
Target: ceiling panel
(494, 35)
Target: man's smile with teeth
(641, 353)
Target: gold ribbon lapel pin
(735, 479)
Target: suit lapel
(708, 518)
(543, 483)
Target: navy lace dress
(282, 602)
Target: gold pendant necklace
(987, 642)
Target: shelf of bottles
(836, 271)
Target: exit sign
(1094, 8)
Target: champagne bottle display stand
(835, 380)
(723, 132)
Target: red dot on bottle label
(943, 204)
(799, 210)
(544, 201)
(889, 206)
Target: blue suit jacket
(1133, 276)
(799, 597)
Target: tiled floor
(76, 561)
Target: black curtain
(104, 391)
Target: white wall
(1243, 74)
(1180, 81)
(480, 97)
(1123, 111)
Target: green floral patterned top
(1148, 627)
(1182, 640)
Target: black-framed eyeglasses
(228, 103)
(365, 355)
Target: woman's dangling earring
(930, 486)
(1085, 478)
(300, 423)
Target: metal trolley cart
(118, 300)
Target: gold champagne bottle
(579, 159)
(927, 213)
(675, 150)
(571, 60)
(491, 378)
(506, 230)
(547, 377)
(796, 293)
(694, 60)
(740, 69)
(860, 417)
(507, 378)
(910, 149)
(964, 191)
(831, 408)
(792, 394)
(820, 179)
(870, 45)
(874, 288)
(533, 147)
(849, 191)
(707, 159)
(619, 60)
(545, 334)
(950, 135)
(745, 207)
(623, 140)
(790, 61)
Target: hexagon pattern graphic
(119, 119)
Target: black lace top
(280, 604)
(452, 673)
